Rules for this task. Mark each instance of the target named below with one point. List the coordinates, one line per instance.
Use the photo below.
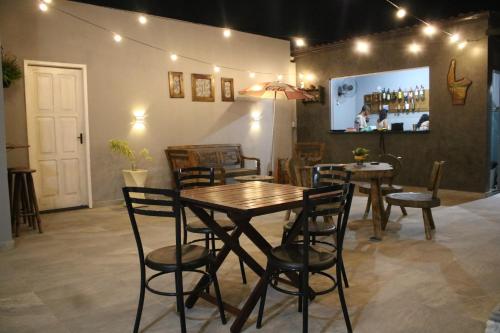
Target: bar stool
(24, 203)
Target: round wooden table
(254, 178)
(373, 173)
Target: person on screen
(361, 120)
(382, 120)
(423, 123)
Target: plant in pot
(360, 155)
(133, 176)
(10, 70)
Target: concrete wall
(459, 134)
(126, 76)
(5, 227)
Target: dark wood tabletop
(249, 198)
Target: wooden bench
(227, 159)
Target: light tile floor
(82, 275)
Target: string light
(462, 45)
(216, 69)
(300, 42)
(251, 75)
(401, 13)
(454, 38)
(43, 7)
(227, 33)
(429, 30)
(143, 19)
(173, 57)
(414, 48)
(117, 38)
(362, 47)
(47, 1)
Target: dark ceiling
(318, 21)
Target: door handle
(80, 137)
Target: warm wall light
(279, 77)
(256, 87)
(216, 69)
(251, 75)
(227, 33)
(43, 7)
(256, 115)
(401, 13)
(462, 45)
(142, 19)
(300, 42)
(310, 77)
(301, 76)
(414, 48)
(454, 38)
(173, 57)
(139, 117)
(429, 30)
(362, 46)
(117, 38)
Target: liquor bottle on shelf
(422, 93)
(412, 105)
(400, 95)
(407, 103)
(383, 94)
(417, 93)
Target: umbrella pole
(272, 135)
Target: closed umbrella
(275, 90)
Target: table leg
(377, 208)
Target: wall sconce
(256, 118)
(139, 120)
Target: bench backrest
(215, 155)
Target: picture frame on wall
(227, 89)
(202, 88)
(176, 84)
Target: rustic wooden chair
(310, 152)
(305, 259)
(387, 186)
(293, 167)
(175, 259)
(200, 177)
(423, 200)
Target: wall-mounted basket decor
(458, 88)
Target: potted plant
(360, 155)
(133, 176)
(10, 69)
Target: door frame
(83, 68)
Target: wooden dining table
(241, 202)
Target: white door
(56, 135)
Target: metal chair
(304, 258)
(191, 177)
(423, 200)
(324, 175)
(176, 258)
(387, 186)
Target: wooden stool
(24, 203)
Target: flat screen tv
(402, 96)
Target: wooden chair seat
(292, 257)
(163, 259)
(199, 227)
(365, 188)
(317, 228)
(413, 199)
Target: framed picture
(202, 87)
(227, 89)
(176, 84)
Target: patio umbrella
(275, 90)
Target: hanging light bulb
(429, 30)
(251, 75)
(362, 47)
(401, 13)
(142, 19)
(173, 57)
(117, 38)
(414, 48)
(216, 69)
(462, 45)
(300, 42)
(227, 33)
(454, 38)
(43, 6)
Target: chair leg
(266, 278)
(242, 269)
(16, 209)
(300, 300)
(344, 275)
(305, 301)
(207, 268)
(184, 224)
(287, 215)
(283, 237)
(342, 299)
(141, 301)
(403, 210)
(431, 219)
(426, 212)
(218, 296)
(31, 187)
(24, 201)
(368, 206)
(387, 215)
(180, 299)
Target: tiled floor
(82, 275)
